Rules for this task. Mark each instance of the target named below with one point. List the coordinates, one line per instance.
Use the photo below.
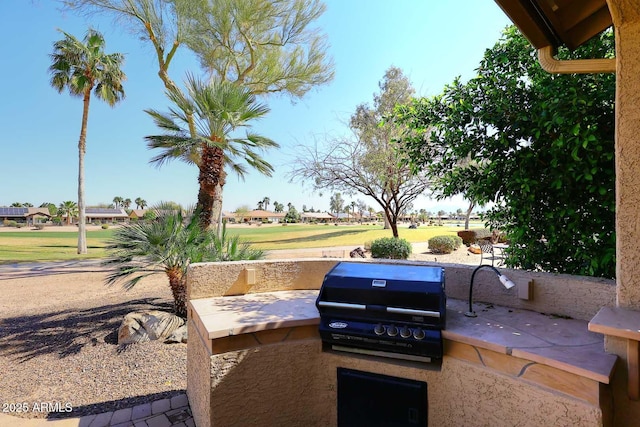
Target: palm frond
(172, 148)
(261, 141)
(165, 122)
(82, 65)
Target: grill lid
(384, 291)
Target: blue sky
(432, 41)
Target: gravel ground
(58, 343)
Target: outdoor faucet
(503, 279)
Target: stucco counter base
(257, 359)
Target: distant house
(366, 216)
(229, 216)
(257, 215)
(316, 217)
(25, 215)
(105, 215)
(137, 214)
(262, 215)
(342, 217)
(102, 215)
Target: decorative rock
(149, 325)
(475, 249)
(179, 335)
(357, 253)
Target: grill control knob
(379, 329)
(392, 331)
(418, 334)
(405, 332)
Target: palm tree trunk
(82, 149)
(211, 171)
(216, 213)
(178, 284)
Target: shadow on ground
(315, 237)
(66, 332)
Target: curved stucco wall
(295, 384)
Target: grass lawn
(41, 245)
(316, 236)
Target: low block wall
(574, 296)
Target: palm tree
(166, 244)
(218, 109)
(353, 209)
(266, 201)
(260, 205)
(126, 203)
(68, 208)
(137, 202)
(278, 207)
(82, 67)
(117, 201)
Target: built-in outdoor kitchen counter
(251, 357)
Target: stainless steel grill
(391, 310)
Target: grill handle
(346, 305)
(376, 308)
(413, 312)
(380, 308)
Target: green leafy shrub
(444, 244)
(105, 226)
(39, 226)
(391, 248)
(9, 223)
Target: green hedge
(444, 244)
(390, 248)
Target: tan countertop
(235, 315)
(562, 343)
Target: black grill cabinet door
(372, 400)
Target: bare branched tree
(371, 161)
